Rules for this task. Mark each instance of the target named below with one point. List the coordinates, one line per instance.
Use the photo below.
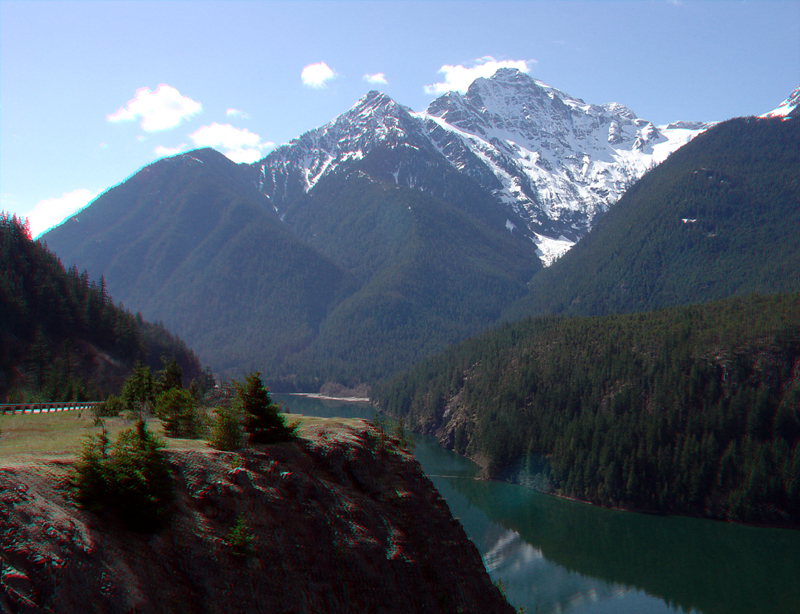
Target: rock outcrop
(341, 521)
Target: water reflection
(530, 577)
(560, 556)
(693, 564)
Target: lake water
(553, 555)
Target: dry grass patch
(61, 435)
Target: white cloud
(238, 144)
(236, 113)
(460, 77)
(378, 77)
(317, 75)
(160, 110)
(51, 211)
(162, 151)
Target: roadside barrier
(44, 408)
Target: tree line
(62, 337)
(690, 409)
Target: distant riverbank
(318, 395)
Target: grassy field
(62, 434)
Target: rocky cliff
(341, 521)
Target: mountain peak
(554, 160)
(374, 98)
(508, 80)
(376, 103)
(510, 75)
(787, 107)
(376, 120)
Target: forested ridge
(353, 281)
(688, 409)
(720, 217)
(62, 338)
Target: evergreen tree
(138, 393)
(263, 419)
(171, 376)
(178, 412)
(130, 477)
(227, 432)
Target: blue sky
(92, 91)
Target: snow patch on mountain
(549, 250)
(560, 161)
(787, 106)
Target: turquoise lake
(554, 555)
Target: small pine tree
(178, 412)
(171, 376)
(263, 419)
(227, 432)
(138, 392)
(240, 538)
(131, 478)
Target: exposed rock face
(341, 523)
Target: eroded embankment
(342, 522)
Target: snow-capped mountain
(560, 161)
(787, 107)
(554, 161)
(375, 120)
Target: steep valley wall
(342, 521)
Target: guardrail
(44, 408)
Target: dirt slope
(342, 522)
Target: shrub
(240, 538)
(112, 406)
(179, 413)
(227, 432)
(130, 478)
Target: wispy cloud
(317, 75)
(161, 109)
(162, 151)
(238, 144)
(236, 113)
(377, 78)
(51, 211)
(458, 78)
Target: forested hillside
(689, 409)
(188, 240)
(720, 217)
(363, 275)
(62, 338)
(428, 274)
(355, 280)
